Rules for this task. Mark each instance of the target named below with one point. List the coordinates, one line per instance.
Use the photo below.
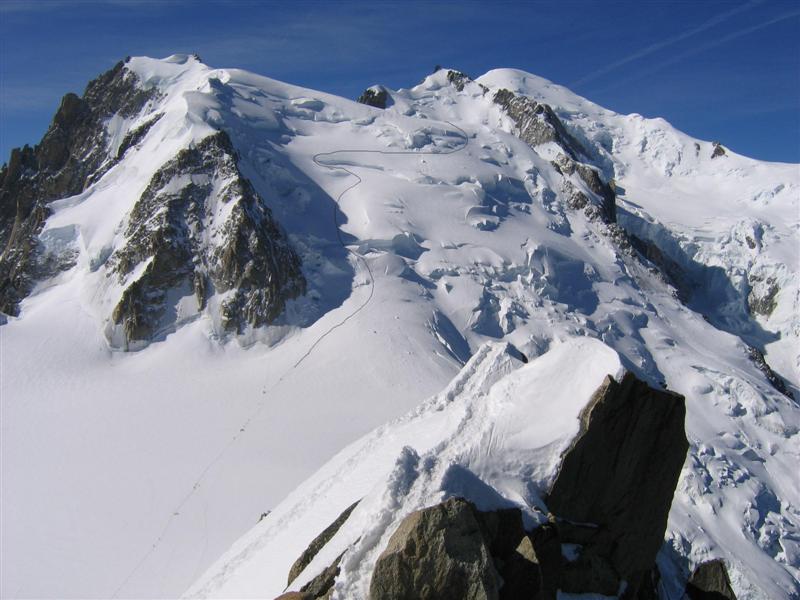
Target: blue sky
(727, 71)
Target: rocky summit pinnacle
(198, 227)
(73, 154)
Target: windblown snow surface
(129, 474)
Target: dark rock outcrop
(620, 474)
(294, 596)
(590, 573)
(136, 135)
(458, 79)
(189, 246)
(710, 581)
(521, 573)
(537, 123)
(774, 379)
(648, 586)
(376, 96)
(318, 542)
(322, 584)
(670, 271)
(719, 150)
(72, 154)
(576, 199)
(765, 302)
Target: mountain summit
(212, 282)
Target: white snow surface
(129, 474)
(495, 435)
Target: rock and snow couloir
(295, 269)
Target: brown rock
(547, 545)
(621, 471)
(522, 577)
(322, 585)
(710, 581)
(318, 543)
(438, 553)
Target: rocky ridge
(74, 153)
(537, 124)
(607, 513)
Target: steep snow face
(423, 231)
(499, 426)
(728, 222)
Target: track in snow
(358, 256)
(262, 403)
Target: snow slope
(499, 426)
(425, 231)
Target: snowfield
(431, 237)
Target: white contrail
(713, 21)
(701, 48)
(725, 38)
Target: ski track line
(262, 403)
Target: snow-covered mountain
(215, 281)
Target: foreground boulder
(438, 553)
(455, 551)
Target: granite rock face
(670, 271)
(537, 123)
(458, 79)
(322, 585)
(200, 229)
(762, 299)
(74, 153)
(619, 475)
(774, 379)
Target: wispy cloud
(646, 51)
